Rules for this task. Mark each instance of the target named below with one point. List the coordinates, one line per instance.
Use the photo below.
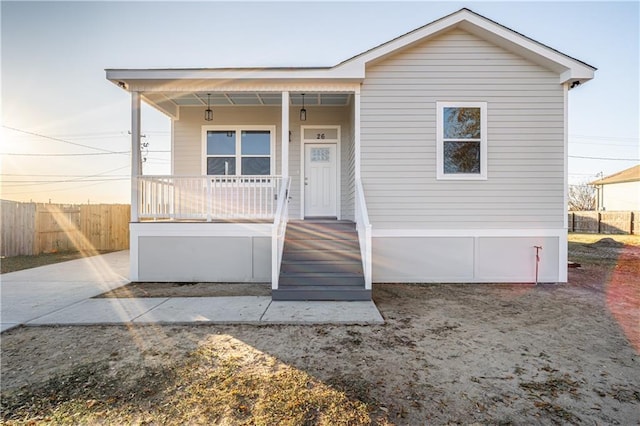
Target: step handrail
(280, 220)
(363, 227)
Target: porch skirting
(200, 252)
(467, 256)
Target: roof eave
(127, 78)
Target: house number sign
(321, 133)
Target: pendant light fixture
(208, 113)
(303, 112)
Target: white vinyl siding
(620, 196)
(187, 142)
(525, 129)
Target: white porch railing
(364, 234)
(208, 197)
(279, 228)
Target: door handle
(306, 180)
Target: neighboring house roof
(352, 70)
(629, 175)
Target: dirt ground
(18, 263)
(447, 354)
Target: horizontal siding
(187, 142)
(525, 185)
(187, 132)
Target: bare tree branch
(582, 197)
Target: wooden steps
(321, 261)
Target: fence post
(572, 224)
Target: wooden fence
(605, 222)
(35, 228)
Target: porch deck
(237, 229)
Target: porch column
(356, 133)
(135, 153)
(284, 162)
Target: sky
(65, 127)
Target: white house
(446, 147)
(619, 191)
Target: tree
(582, 197)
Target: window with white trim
(461, 140)
(237, 151)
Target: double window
(238, 151)
(461, 140)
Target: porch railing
(279, 228)
(208, 197)
(364, 234)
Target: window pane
(461, 123)
(461, 157)
(221, 142)
(256, 142)
(221, 166)
(320, 155)
(256, 166)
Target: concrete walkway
(61, 294)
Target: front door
(320, 180)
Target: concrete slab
(21, 302)
(238, 309)
(60, 294)
(110, 267)
(31, 293)
(318, 312)
(100, 311)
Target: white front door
(320, 180)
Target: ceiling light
(303, 112)
(208, 113)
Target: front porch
(235, 229)
(211, 219)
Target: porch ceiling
(249, 98)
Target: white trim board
(532, 232)
(204, 229)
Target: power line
(45, 182)
(608, 144)
(20, 154)
(604, 158)
(59, 140)
(56, 189)
(64, 176)
(605, 138)
(78, 179)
